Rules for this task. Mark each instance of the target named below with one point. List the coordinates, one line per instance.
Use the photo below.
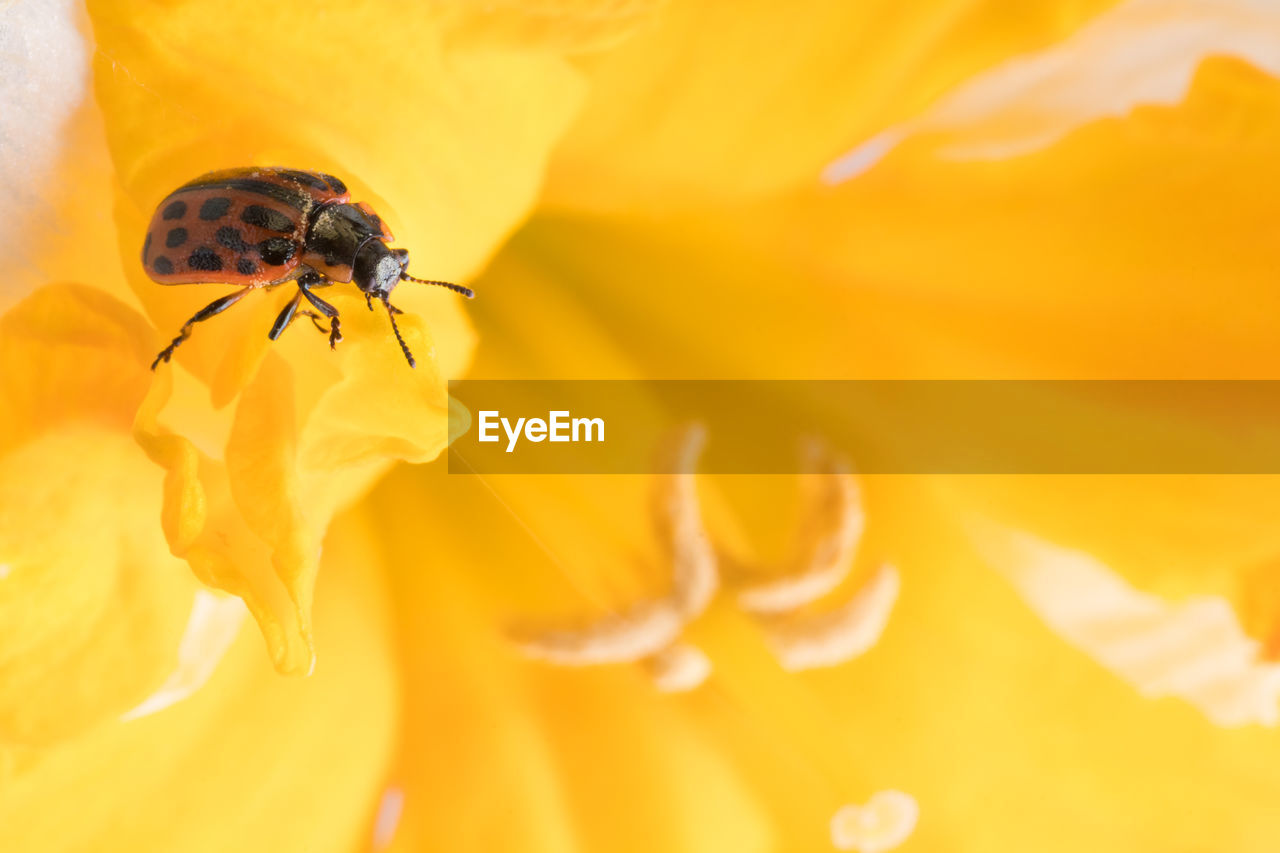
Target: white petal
(44, 77)
(213, 626)
(1195, 650)
(387, 820)
(1141, 52)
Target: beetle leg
(335, 333)
(285, 317)
(315, 320)
(291, 313)
(217, 306)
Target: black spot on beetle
(204, 259)
(162, 265)
(214, 208)
(335, 184)
(175, 238)
(276, 251)
(176, 210)
(146, 246)
(231, 238)
(265, 217)
(244, 266)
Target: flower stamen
(650, 627)
(823, 555)
(825, 546)
(806, 641)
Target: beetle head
(377, 269)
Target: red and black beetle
(263, 227)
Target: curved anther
(677, 518)
(643, 631)
(806, 641)
(650, 627)
(825, 545)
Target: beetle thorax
(337, 235)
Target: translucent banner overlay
(880, 427)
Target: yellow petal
(378, 410)
(205, 526)
(250, 762)
(568, 25)
(250, 512)
(720, 104)
(264, 488)
(72, 353)
(1133, 248)
(1141, 52)
(91, 602)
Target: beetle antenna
(457, 288)
(403, 346)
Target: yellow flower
(1098, 253)
(823, 190)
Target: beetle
(262, 227)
